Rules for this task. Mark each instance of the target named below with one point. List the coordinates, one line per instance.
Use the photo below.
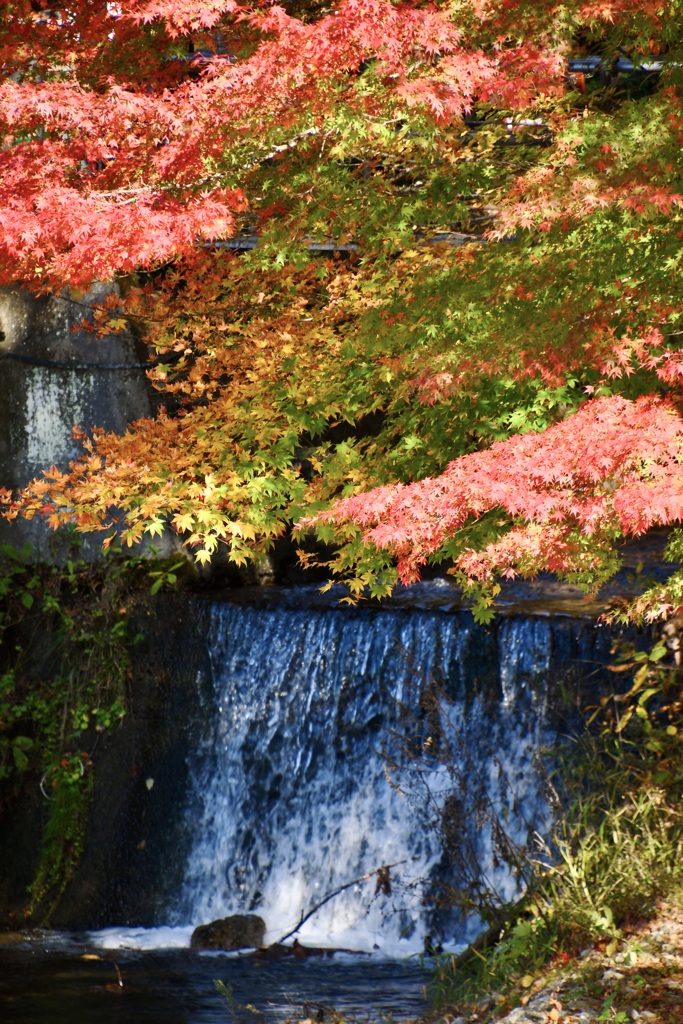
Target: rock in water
(239, 931)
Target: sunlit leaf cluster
(503, 306)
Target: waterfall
(292, 792)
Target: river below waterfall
(302, 778)
(55, 982)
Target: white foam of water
(141, 938)
(163, 938)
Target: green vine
(64, 665)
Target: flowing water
(291, 795)
(301, 784)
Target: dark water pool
(48, 986)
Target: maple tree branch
(290, 144)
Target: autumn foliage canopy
(459, 335)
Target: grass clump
(616, 847)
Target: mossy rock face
(54, 375)
(135, 840)
(239, 931)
